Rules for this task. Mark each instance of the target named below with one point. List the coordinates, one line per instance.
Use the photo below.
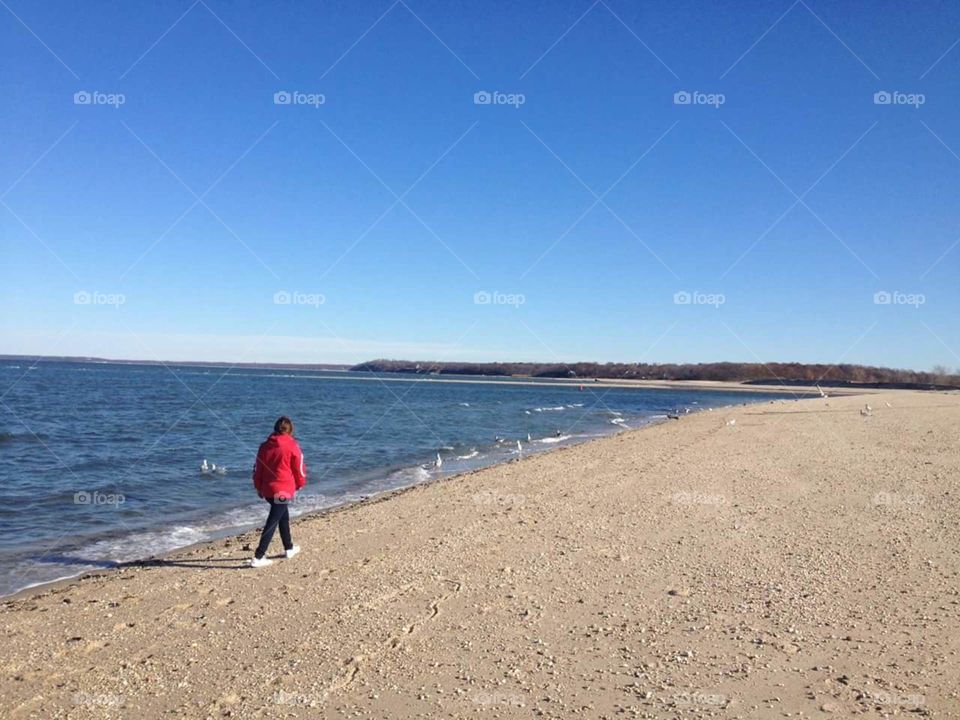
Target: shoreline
(802, 560)
(45, 585)
(219, 536)
(371, 499)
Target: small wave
(464, 404)
(555, 439)
(619, 421)
(575, 405)
(408, 476)
(142, 544)
(468, 456)
(549, 409)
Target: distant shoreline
(378, 370)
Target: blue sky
(585, 214)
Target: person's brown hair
(283, 426)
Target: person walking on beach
(278, 474)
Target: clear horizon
(670, 183)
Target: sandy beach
(790, 559)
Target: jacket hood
(279, 439)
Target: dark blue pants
(279, 515)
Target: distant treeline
(792, 373)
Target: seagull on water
(438, 462)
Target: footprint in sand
(353, 665)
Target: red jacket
(279, 470)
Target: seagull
(219, 470)
(519, 449)
(867, 407)
(822, 393)
(528, 438)
(732, 422)
(438, 462)
(205, 468)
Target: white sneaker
(293, 551)
(260, 562)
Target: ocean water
(99, 463)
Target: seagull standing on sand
(519, 450)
